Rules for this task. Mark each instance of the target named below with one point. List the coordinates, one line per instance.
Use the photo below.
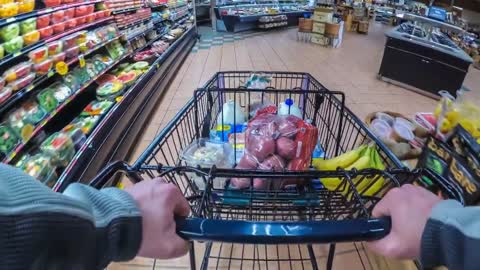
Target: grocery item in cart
(59, 147)
(206, 153)
(39, 167)
(8, 139)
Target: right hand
(159, 203)
(409, 207)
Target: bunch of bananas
(363, 157)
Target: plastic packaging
(28, 25)
(70, 24)
(71, 82)
(59, 57)
(43, 67)
(288, 108)
(47, 100)
(31, 38)
(10, 31)
(5, 93)
(275, 143)
(90, 18)
(72, 52)
(231, 114)
(110, 90)
(205, 153)
(86, 124)
(17, 72)
(39, 55)
(23, 119)
(8, 10)
(55, 47)
(69, 41)
(78, 137)
(97, 108)
(59, 147)
(8, 139)
(57, 17)
(51, 3)
(60, 91)
(69, 13)
(21, 83)
(381, 128)
(14, 45)
(81, 11)
(46, 32)
(402, 133)
(59, 27)
(26, 6)
(81, 20)
(43, 21)
(39, 167)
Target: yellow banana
(341, 161)
(377, 163)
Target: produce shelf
(42, 123)
(151, 41)
(12, 101)
(103, 140)
(120, 11)
(140, 34)
(181, 17)
(123, 27)
(28, 15)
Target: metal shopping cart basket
(270, 229)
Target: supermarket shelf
(150, 42)
(165, 5)
(12, 101)
(120, 11)
(123, 27)
(81, 27)
(40, 12)
(49, 117)
(140, 34)
(99, 46)
(181, 17)
(177, 6)
(181, 21)
(112, 139)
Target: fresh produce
(128, 78)
(46, 32)
(81, 74)
(39, 55)
(71, 82)
(51, 3)
(105, 78)
(21, 83)
(39, 167)
(10, 31)
(26, 6)
(55, 47)
(28, 25)
(70, 41)
(23, 119)
(80, 20)
(140, 65)
(5, 93)
(31, 37)
(97, 108)
(69, 13)
(43, 21)
(110, 90)
(81, 11)
(47, 100)
(343, 161)
(86, 124)
(60, 27)
(60, 91)
(14, 45)
(70, 23)
(8, 10)
(17, 72)
(72, 52)
(90, 18)
(43, 67)
(2, 51)
(59, 147)
(59, 57)
(57, 17)
(8, 139)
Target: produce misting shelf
(22, 93)
(151, 41)
(28, 15)
(18, 149)
(117, 132)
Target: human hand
(409, 208)
(159, 203)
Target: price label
(61, 68)
(9, 20)
(81, 61)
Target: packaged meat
(52, 3)
(17, 72)
(55, 47)
(71, 82)
(39, 167)
(59, 57)
(46, 32)
(8, 10)
(5, 93)
(14, 45)
(26, 6)
(8, 139)
(69, 13)
(110, 90)
(10, 31)
(59, 27)
(59, 147)
(43, 21)
(60, 91)
(57, 17)
(47, 100)
(72, 52)
(70, 23)
(97, 108)
(28, 25)
(21, 83)
(39, 55)
(31, 37)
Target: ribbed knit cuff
(431, 249)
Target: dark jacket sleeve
(452, 237)
(82, 228)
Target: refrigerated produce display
(79, 79)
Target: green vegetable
(47, 100)
(140, 65)
(28, 26)
(8, 140)
(13, 45)
(10, 31)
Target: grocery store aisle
(351, 69)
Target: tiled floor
(351, 69)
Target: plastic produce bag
(276, 143)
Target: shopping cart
(270, 229)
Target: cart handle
(258, 232)
(110, 170)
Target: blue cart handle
(279, 232)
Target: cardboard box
(322, 17)
(319, 39)
(318, 28)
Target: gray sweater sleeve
(452, 237)
(82, 228)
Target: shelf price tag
(9, 20)
(81, 61)
(61, 68)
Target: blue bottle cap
(289, 101)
